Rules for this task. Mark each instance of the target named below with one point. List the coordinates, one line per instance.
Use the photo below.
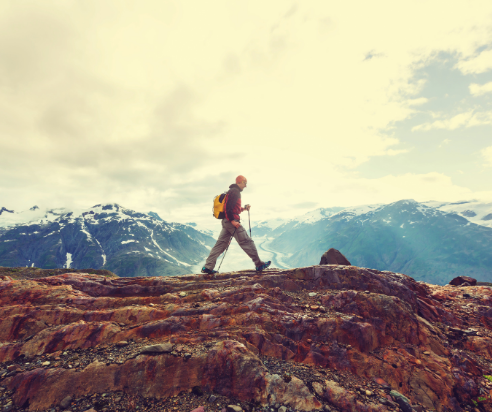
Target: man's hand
(236, 224)
(247, 207)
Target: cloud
(305, 205)
(466, 119)
(487, 155)
(291, 11)
(480, 89)
(480, 63)
(371, 55)
(444, 142)
(158, 105)
(417, 102)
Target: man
(231, 226)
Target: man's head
(241, 181)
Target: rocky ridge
(338, 338)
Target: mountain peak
(405, 202)
(155, 216)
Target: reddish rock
(346, 401)
(227, 324)
(334, 257)
(460, 280)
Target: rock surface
(334, 257)
(462, 280)
(251, 340)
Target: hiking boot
(264, 266)
(208, 271)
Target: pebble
(312, 294)
(282, 409)
(46, 363)
(427, 352)
(151, 304)
(122, 343)
(212, 398)
(234, 408)
(314, 307)
(182, 294)
(368, 393)
(65, 403)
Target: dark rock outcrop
(334, 257)
(344, 337)
(461, 280)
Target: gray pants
(241, 237)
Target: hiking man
(231, 226)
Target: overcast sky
(158, 105)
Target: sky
(159, 105)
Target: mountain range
(430, 241)
(106, 236)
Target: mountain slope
(109, 237)
(475, 211)
(406, 236)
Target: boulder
(462, 279)
(334, 257)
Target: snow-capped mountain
(475, 211)
(406, 236)
(105, 236)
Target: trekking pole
(230, 240)
(249, 221)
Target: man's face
(243, 184)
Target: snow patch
(69, 261)
(163, 251)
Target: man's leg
(246, 243)
(219, 247)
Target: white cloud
(417, 102)
(479, 89)
(487, 155)
(444, 142)
(466, 119)
(476, 64)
